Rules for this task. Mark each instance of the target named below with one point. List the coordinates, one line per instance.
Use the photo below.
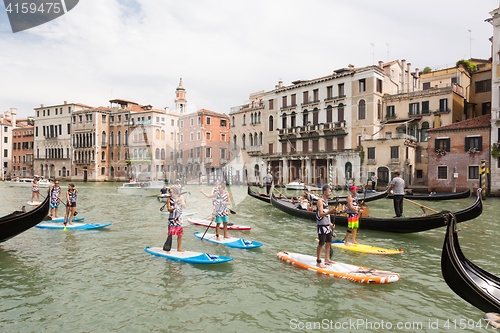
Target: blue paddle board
(61, 219)
(188, 256)
(79, 226)
(231, 241)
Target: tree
(469, 66)
(427, 70)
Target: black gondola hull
(436, 196)
(398, 225)
(13, 224)
(475, 285)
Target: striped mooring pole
(331, 174)
(483, 176)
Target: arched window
(250, 139)
(340, 112)
(283, 120)
(329, 114)
(103, 156)
(235, 142)
(244, 119)
(125, 138)
(251, 119)
(423, 131)
(103, 138)
(135, 153)
(362, 110)
(140, 153)
(157, 153)
(162, 154)
(112, 156)
(119, 138)
(112, 139)
(260, 139)
(379, 109)
(162, 134)
(258, 118)
(145, 153)
(243, 139)
(348, 170)
(233, 121)
(255, 139)
(271, 123)
(157, 134)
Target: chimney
(381, 64)
(410, 81)
(41, 105)
(7, 114)
(13, 113)
(280, 84)
(403, 76)
(351, 66)
(417, 73)
(65, 102)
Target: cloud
(224, 50)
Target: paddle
(334, 234)
(435, 211)
(213, 218)
(283, 195)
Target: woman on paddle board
(175, 204)
(71, 204)
(324, 226)
(353, 210)
(55, 198)
(35, 189)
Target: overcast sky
(224, 50)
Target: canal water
(104, 281)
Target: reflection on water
(102, 280)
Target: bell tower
(180, 98)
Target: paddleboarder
(398, 189)
(55, 198)
(324, 226)
(175, 204)
(36, 190)
(353, 210)
(222, 199)
(71, 204)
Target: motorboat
(296, 185)
(27, 182)
(146, 188)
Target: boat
(27, 182)
(399, 225)
(437, 196)
(336, 200)
(147, 188)
(296, 185)
(475, 285)
(17, 222)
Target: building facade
(7, 122)
(457, 152)
(495, 101)
(22, 149)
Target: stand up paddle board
(33, 203)
(339, 270)
(364, 248)
(188, 256)
(80, 226)
(231, 241)
(205, 223)
(61, 219)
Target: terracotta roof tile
(477, 122)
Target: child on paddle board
(71, 204)
(175, 204)
(324, 226)
(353, 210)
(55, 198)
(36, 190)
(222, 199)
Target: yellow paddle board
(364, 248)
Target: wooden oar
(283, 195)
(435, 211)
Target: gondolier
(269, 181)
(398, 187)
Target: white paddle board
(188, 256)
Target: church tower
(180, 99)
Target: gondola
(399, 225)
(341, 199)
(475, 285)
(17, 222)
(437, 196)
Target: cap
(397, 172)
(353, 188)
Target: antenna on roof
(387, 51)
(373, 52)
(470, 44)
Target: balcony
(190, 160)
(288, 107)
(414, 115)
(371, 161)
(341, 123)
(334, 98)
(254, 149)
(179, 161)
(208, 160)
(310, 103)
(394, 161)
(442, 111)
(223, 161)
(196, 160)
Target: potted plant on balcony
(441, 152)
(472, 150)
(495, 149)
